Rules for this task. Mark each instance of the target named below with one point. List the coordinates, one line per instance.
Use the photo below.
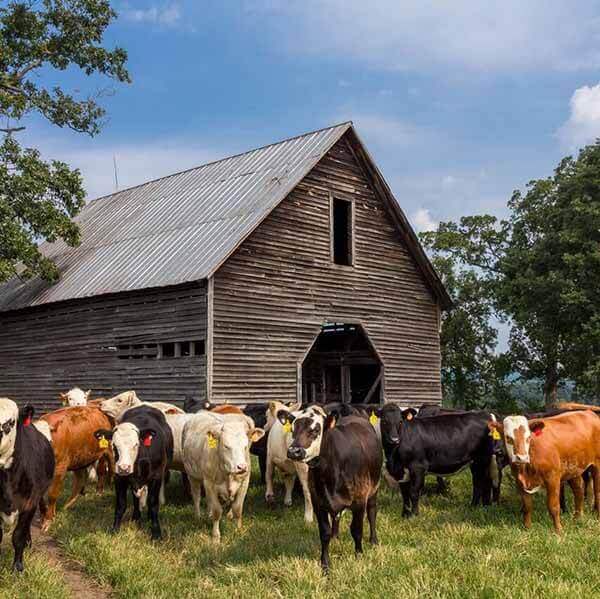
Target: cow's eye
(509, 441)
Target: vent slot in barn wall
(342, 232)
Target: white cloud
(499, 34)
(422, 221)
(583, 125)
(167, 15)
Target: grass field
(450, 550)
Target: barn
(286, 272)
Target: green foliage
(539, 269)
(38, 198)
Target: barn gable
(272, 299)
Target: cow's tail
(392, 483)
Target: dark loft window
(168, 350)
(342, 232)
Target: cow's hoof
(45, 526)
(308, 521)
(18, 567)
(374, 541)
(113, 530)
(287, 503)
(156, 536)
(270, 499)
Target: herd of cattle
(336, 451)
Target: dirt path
(81, 585)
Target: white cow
(278, 443)
(116, 406)
(216, 454)
(75, 397)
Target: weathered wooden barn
(288, 271)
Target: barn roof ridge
(183, 227)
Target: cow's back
(73, 440)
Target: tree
(39, 198)
(471, 372)
(541, 268)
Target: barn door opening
(342, 365)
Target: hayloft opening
(342, 365)
(342, 232)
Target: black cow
(440, 445)
(26, 471)
(143, 446)
(344, 459)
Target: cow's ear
(285, 416)
(536, 428)
(256, 434)
(103, 434)
(331, 420)
(272, 407)
(409, 414)
(88, 394)
(378, 412)
(496, 429)
(64, 398)
(26, 415)
(146, 436)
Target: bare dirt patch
(79, 582)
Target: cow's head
(117, 405)
(274, 407)
(391, 418)
(231, 438)
(517, 432)
(126, 440)
(75, 397)
(306, 427)
(9, 416)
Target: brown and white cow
(545, 452)
(75, 449)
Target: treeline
(538, 272)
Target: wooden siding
(272, 296)
(49, 349)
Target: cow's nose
(124, 469)
(521, 459)
(395, 440)
(241, 468)
(296, 453)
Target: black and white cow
(344, 460)
(440, 445)
(143, 447)
(26, 471)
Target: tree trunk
(551, 385)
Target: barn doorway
(342, 365)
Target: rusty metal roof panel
(173, 230)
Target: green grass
(450, 550)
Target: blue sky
(459, 102)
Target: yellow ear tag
(212, 441)
(287, 427)
(373, 418)
(103, 442)
(496, 435)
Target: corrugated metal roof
(176, 229)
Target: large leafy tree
(38, 198)
(541, 267)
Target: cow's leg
(196, 489)
(372, 516)
(335, 525)
(269, 495)
(161, 495)
(577, 486)
(185, 483)
(325, 536)
(21, 537)
(477, 478)
(216, 511)
(442, 486)
(121, 485)
(79, 479)
(587, 479)
(406, 505)
(356, 527)
(496, 488)
(262, 464)
(54, 492)
(526, 507)
(237, 507)
(596, 488)
(137, 514)
(417, 481)
(302, 471)
(288, 481)
(154, 488)
(563, 500)
(553, 502)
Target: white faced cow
(116, 406)
(216, 454)
(75, 397)
(278, 442)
